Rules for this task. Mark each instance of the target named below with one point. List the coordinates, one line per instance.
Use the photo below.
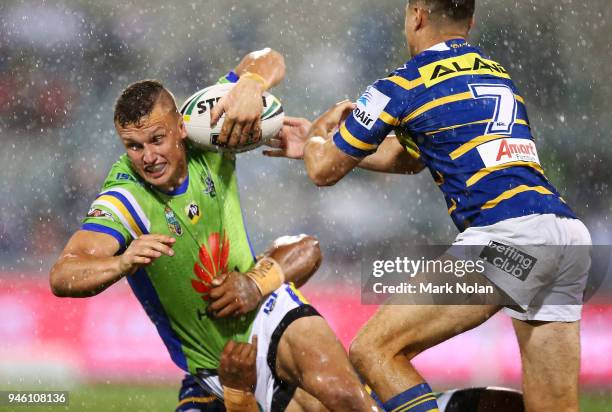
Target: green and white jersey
(204, 216)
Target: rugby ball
(196, 115)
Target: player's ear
(421, 17)
(181, 127)
(471, 24)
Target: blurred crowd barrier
(47, 340)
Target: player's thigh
(310, 355)
(302, 401)
(550, 352)
(413, 328)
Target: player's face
(156, 147)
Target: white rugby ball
(196, 115)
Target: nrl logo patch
(173, 223)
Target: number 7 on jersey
(504, 115)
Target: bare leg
(383, 348)
(303, 402)
(550, 352)
(310, 356)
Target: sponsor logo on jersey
(193, 212)
(173, 223)
(99, 213)
(502, 151)
(210, 185)
(468, 64)
(370, 106)
(212, 260)
(508, 259)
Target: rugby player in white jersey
(460, 115)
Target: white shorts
(555, 252)
(285, 305)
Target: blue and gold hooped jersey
(462, 115)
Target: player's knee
(364, 353)
(371, 350)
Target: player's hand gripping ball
(196, 114)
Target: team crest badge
(213, 259)
(193, 212)
(173, 223)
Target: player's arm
(325, 163)
(289, 259)
(238, 375)
(258, 72)
(267, 64)
(391, 156)
(88, 265)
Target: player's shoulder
(401, 84)
(123, 205)
(125, 186)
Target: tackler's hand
(291, 139)
(331, 119)
(233, 294)
(238, 366)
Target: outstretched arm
(391, 156)
(289, 259)
(258, 71)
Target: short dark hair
(456, 10)
(137, 101)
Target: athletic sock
(419, 398)
(374, 396)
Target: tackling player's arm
(258, 72)
(325, 163)
(238, 375)
(391, 156)
(88, 264)
(289, 259)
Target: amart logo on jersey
(502, 151)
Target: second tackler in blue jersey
(461, 114)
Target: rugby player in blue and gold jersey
(459, 114)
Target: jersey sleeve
(116, 212)
(378, 112)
